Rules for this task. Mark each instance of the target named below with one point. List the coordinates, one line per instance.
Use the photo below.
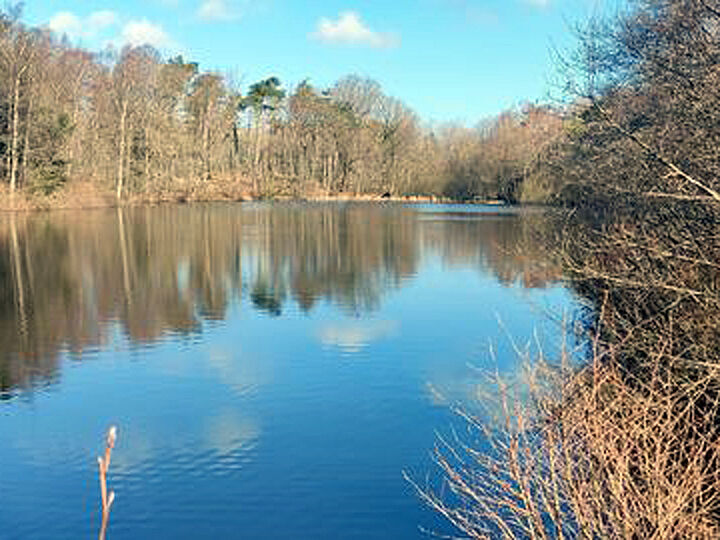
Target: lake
(272, 368)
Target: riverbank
(87, 195)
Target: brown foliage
(607, 455)
(493, 161)
(135, 124)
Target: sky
(449, 60)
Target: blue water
(272, 369)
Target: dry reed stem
(611, 454)
(103, 465)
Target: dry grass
(83, 195)
(595, 453)
(79, 194)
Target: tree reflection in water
(67, 280)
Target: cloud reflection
(354, 336)
(244, 374)
(228, 432)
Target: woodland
(129, 125)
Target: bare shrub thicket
(626, 446)
(493, 161)
(611, 455)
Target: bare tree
(17, 50)
(132, 76)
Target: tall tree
(132, 76)
(17, 50)
(213, 112)
(262, 101)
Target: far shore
(83, 195)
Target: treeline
(133, 124)
(496, 159)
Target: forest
(129, 125)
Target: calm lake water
(272, 369)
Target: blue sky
(449, 60)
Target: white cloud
(66, 23)
(229, 433)
(107, 25)
(143, 32)
(74, 27)
(217, 10)
(349, 29)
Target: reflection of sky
(465, 325)
(267, 425)
(354, 335)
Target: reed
(598, 452)
(107, 498)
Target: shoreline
(85, 196)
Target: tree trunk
(75, 132)
(236, 147)
(206, 145)
(147, 157)
(121, 156)
(15, 135)
(256, 159)
(26, 142)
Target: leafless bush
(595, 453)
